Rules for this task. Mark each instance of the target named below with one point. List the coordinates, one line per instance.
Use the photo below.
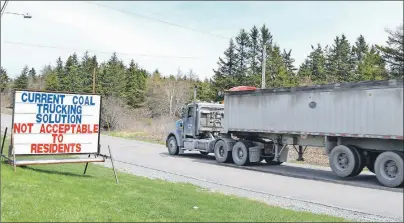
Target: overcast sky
(81, 25)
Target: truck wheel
(240, 153)
(371, 164)
(344, 160)
(360, 164)
(389, 169)
(172, 146)
(222, 155)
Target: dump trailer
(358, 124)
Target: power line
(95, 51)
(158, 20)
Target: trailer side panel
(368, 109)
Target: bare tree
(114, 114)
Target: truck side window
(190, 112)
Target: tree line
(340, 62)
(241, 64)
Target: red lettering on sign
(55, 148)
(59, 128)
(23, 127)
(96, 128)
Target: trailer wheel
(360, 161)
(344, 160)
(240, 153)
(222, 154)
(371, 164)
(172, 146)
(389, 168)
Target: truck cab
(198, 128)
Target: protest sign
(55, 123)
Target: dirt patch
(312, 156)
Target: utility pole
(264, 55)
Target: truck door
(189, 121)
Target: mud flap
(283, 157)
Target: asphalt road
(362, 194)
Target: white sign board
(55, 123)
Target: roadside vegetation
(143, 105)
(54, 193)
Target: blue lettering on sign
(58, 118)
(24, 99)
(60, 109)
(45, 98)
(83, 100)
(51, 108)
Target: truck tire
(389, 168)
(172, 146)
(360, 164)
(222, 154)
(344, 161)
(371, 164)
(240, 153)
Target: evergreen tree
(242, 48)
(254, 52)
(87, 66)
(135, 89)
(288, 61)
(32, 74)
(316, 66)
(393, 53)
(205, 91)
(372, 66)
(111, 77)
(52, 81)
(341, 63)
(276, 71)
(304, 73)
(265, 37)
(62, 75)
(21, 82)
(4, 79)
(360, 49)
(227, 68)
(73, 78)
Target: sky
(77, 26)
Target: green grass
(61, 193)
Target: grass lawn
(54, 193)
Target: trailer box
(371, 109)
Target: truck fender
(180, 142)
(229, 142)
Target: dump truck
(358, 124)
